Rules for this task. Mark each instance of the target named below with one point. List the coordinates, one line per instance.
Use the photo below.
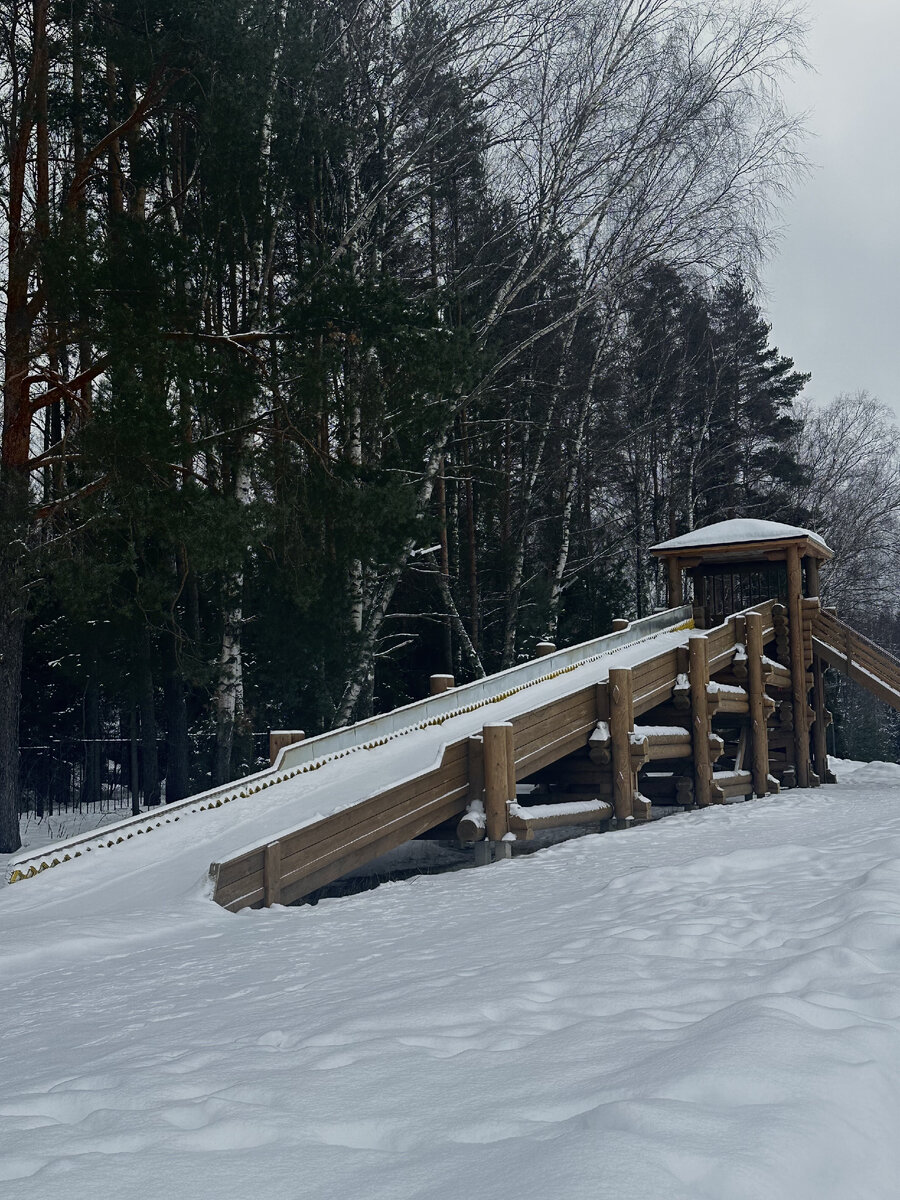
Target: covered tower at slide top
(736, 564)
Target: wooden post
(820, 743)
(476, 768)
(278, 738)
(812, 575)
(440, 683)
(621, 723)
(756, 689)
(698, 611)
(798, 668)
(620, 623)
(272, 874)
(542, 649)
(510, 762)
(698, 648)
(676, 587)
(496, 781)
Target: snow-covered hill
(708, 1007)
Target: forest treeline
(345, 343)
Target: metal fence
(106, 774)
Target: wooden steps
(857, 657)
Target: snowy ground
(708, 1007)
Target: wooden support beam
(471, 827)
(723, 700)
(278, 738)
(496, 780)
(684, 791)
(475, 750)
(759, 760)
(599, 750)
(780, 627)
(621, 723)
(812, 575)
(439, 684)
(798, 668)
(577, 811)
(776, 675)
(676, 585)
(700, 726)
(820, 743)
(272, 874)
(510, 762)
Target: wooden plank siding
(654, 680)
(324, 847)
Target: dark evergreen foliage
(302, 327)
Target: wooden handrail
(858, 657)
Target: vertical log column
(272, 874)
(496, 780)
(676, 588)
(698, 648)
(756, 690)
(279, 738)
(510, 761)
(621, 723)
(820, 742)
(798, 668)
(812, 575)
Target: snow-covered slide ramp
(354, 776)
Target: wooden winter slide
(657, 713)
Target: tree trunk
(570, 493)
(533, 475)
(177, 746)
(12, 636)
(91, 785)
(229, 700)
(447, 632)
(147, 705)
(134, 762)
(230, 689)
(364, 672)
(471, 549)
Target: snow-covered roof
(735, 532)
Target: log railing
(299, 862)
(857, 657)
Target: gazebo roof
(728, 536)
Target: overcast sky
(833, 286)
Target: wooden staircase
(856, 656)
